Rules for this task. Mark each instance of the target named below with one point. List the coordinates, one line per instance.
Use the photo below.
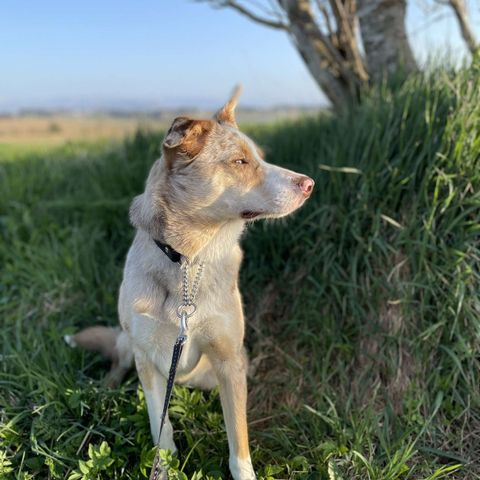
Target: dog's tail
(112, 343)
(97, 339)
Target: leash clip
(186, 309)
(182, 336)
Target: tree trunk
(382, 26)
(327, 40)
(330, 84)
(338, 80)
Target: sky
(153, 54)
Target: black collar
(171, 253)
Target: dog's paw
(110, 382)
(242, 469)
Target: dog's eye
(241, 161)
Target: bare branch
(323, 10)
(460, 11)
(323, 54)
(270, 11)
(251, 15)
(346, 33)
(431, 21)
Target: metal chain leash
(184, 311)
(189, 297)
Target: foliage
(99, 461)
(363, 308)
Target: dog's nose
(306, 185)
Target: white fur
(69, 341)
(242, 468)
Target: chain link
(189, 296)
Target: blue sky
(163, 53)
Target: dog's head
(222, 173)
(211, 173)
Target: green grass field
(363, 309)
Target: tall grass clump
(362, 310)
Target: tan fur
(233, 394)
(146, 372)
(99, 339)
(227, 113)
(197, 197)
(186, 137)
(202, 376)
(251, 175)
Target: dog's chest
(218, 314)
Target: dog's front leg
(231, 370)
(154, 387)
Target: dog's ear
(227, 113)
(186, 137)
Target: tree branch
(323, 10)
(251, 15)
(460, 11)
(346, 33)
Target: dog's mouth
(249, 214)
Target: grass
(363, 309)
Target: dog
(209, 182)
